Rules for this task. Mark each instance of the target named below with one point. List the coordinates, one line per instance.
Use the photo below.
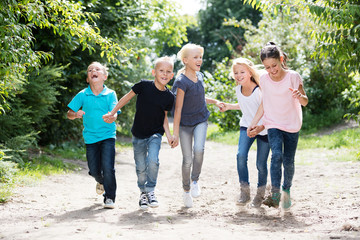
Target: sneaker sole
(154, 205)
(144, 208)
(109, 206)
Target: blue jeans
(101, 160)
(261, 157)
(146, 155)
(283, 147)
(192, 155)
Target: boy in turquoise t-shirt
(91, 104)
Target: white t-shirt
(249, 106)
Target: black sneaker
(143, 202)
(153, 202)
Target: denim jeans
(146, 155)
(101, 160)
(283, 147)
(262, 154)
(192, 155)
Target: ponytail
(271, 50)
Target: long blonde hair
(184, 52)
(250, 66)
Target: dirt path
(326, 197)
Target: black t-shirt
(151, 104)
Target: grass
(49, 162)
(346, 141)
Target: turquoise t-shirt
(95, 129)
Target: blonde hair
(184, 52)
(103, 67)
(250, 66)
(164, 59)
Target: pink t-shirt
(281, 109)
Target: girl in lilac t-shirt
(283, 96)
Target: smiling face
(194, 59)
(163, 73)
(242, 74)
(274, 68)
(96, 74)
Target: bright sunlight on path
(326, 197)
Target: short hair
(164, 59)
(250, 66)
(103, 67)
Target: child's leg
(276, 144)
(186, 136)
(93, 156)
(152, 161)
(290, 145)
(242, 156)
(199, 147)
(140, 152)
(262, 154)
(108, 167)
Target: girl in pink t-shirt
(283, 96)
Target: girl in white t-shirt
(283, 96)
(249, 98)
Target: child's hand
(296, 93)
(109, 118)
(256, 130)
(79, 114)
(223, 107)
(251, 131)
(175, 141)
(219, 104)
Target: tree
(342, 18)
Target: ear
(87, 80)
(153, 72)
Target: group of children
(271, 113)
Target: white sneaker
(99, 188)
(109, 203)
(195, 189)
(153, 202)
(188, 202)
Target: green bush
(219, 86)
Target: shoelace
(151, 196)
(143, 198)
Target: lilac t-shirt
(281, 109)
(194, 108)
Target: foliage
(220, 87)
(352, 94)
(341, 37)
(215, 37)
(290, 32)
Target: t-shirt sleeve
(137, 88)
(77, 102)
(113, 101)
(297, 80)
(179, 84)
(171, 103)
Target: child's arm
(229, 106)
(167, 130)
(177, 115)
(256, 119)
(301, 95)
(122, 102)
(213, 101)
(72, 115)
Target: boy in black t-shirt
(153, 102)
